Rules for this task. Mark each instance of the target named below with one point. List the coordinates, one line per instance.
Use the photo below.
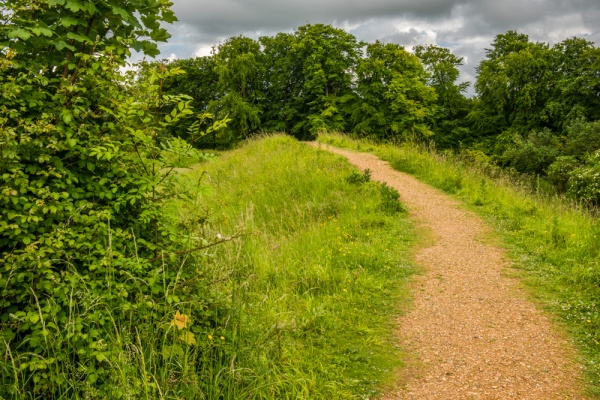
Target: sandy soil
(472, 331)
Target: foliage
(200, 82)
(394, 100)
(238, 63)
(452, 106)
(326, 56)
(89, 261)
(584, 181)
(532, 155)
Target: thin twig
(178, 253)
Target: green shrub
(91, 265)
(559, 172)
(582, 138)
(584, 182)
(533, 155)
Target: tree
(513, 85)
(452, 106)
(201, 83)
(325, 56)
(239, 65)
(282, 69)
(393, 98)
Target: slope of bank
(553, 244)
(306, 300)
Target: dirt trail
(473, 333)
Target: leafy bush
(582, 138)
(357, 177)
(90, 262)
(533, 155)
(584, 182)
(559, 172)
(390, 199)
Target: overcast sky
(467, 27)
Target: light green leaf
(74, 5)
(69, 21)
(63, 45)
(42, 31)
(19, 33)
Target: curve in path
(472, 330)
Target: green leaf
(69, 21)
(160, 35)
(63, 45)
(19, 33)
(74, 5)
(42, 31)
(150, 49)
(78, 38)
(121, 12)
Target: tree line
(534, 110)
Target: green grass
(554, 243)
(311, 292)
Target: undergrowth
(555, 243)
(314, 283)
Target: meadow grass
(554, 242)
(299, 301)
(312, 289)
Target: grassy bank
(555, 244)
(309, 294)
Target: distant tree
(394, 100)
(282, 80)
(575, 63)
(200, 82)
(241, 78)
(452, 106)
(325, 57)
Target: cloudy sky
(467, 27)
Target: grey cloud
(466, 26)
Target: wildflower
(222, 338)
(180, 320)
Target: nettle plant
(87, 253)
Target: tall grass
(298, 303)
(554, 242)
(314, 287)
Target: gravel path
(473, 333)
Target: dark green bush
(582, 138)
(532, 155)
